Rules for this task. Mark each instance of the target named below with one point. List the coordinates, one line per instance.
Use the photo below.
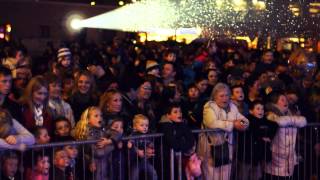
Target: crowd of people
(114, 89)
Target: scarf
(38, 115)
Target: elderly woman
(223, 116)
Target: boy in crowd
(61, 162)
(237, 97)
(143, 149)
(62, 129)
(254, 143)
(177, 135)
(9, 166)
(41, 135)
(58, 107)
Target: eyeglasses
(147, 88)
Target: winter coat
(217, 118)
(139, 144)
(61, 108)
(30, 123)
(101, 155)
(251, 146)
(221, 120)
(176, 136)
(284, 157)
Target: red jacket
(29, 122)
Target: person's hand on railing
(129, 145)
(266, 139)
(140, 153)
(103, 142)
(240, 124)
(11, 139)
(22, 147)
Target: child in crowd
(192, 170)
(72, 152)
(58, 107)
(177, 135)
(237, 97)
(64, 57)
(74, 166)
(64, 64)
(41, 134)
(116, 127)
(254, 143)
(142, 150)
(40, 170)
(9, 166)
(90, 127)
(284, 142)
(67, 86)
(61, 161)
(12, 134)
(192, 107)
(62, 129)
(41, 137)
(118, 154)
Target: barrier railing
(142, 157)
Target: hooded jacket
(284, 157)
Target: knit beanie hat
(63, 52)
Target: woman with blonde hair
(111, 106)
(84, 94)
(34, 103)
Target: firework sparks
(215, 17)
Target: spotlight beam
(146, 16)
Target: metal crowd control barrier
(126, 163)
